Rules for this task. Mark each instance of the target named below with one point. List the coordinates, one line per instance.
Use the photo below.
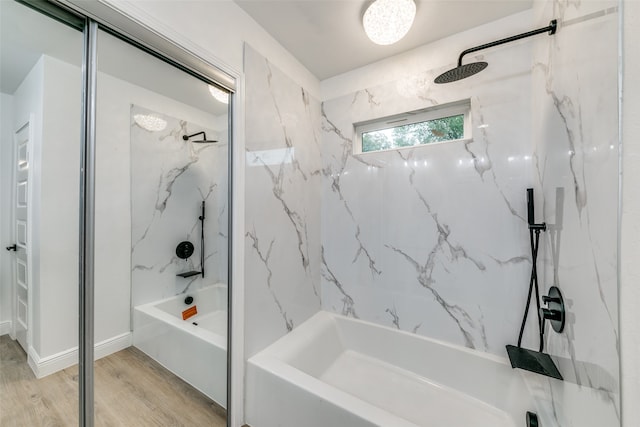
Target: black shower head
(461, 72)
(467, 70)
(204, 139)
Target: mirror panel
(40, 85)
(161, 241)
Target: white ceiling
(327, 37)
(25, 35)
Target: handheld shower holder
(541, 227)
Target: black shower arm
(551, 29)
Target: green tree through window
(437, 130)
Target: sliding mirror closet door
(161, 242)
(40, 84)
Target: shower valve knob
(545, 313)
(554, 312)
(547, 299)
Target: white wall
(6, 237)
(57, 278)
(630, 227)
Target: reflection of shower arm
(187, 137)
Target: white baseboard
(42, 367)
(5, 327)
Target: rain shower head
(467, 70)
(204, 139)
(461, 72)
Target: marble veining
(282, 193)
(420, 238)
(265, 260)
(348, 308)
(457, 314)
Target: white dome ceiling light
(150, 122)
(387, 21)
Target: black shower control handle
(546, 313)
(547, 299)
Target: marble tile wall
(433, 239)
(575, 109)
(169, 180)
(282, 203)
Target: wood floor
(131, 390)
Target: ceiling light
(387, 21)
(150, 122)
(219, 94)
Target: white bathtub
(340, 372)
(194, 349)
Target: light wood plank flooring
(131, 390)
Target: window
(442, 123)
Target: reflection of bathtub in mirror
(195, 349)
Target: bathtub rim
(276, 359)
(284, 344)
(151, 309)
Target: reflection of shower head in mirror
(204, 139)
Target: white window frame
(417, 116)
